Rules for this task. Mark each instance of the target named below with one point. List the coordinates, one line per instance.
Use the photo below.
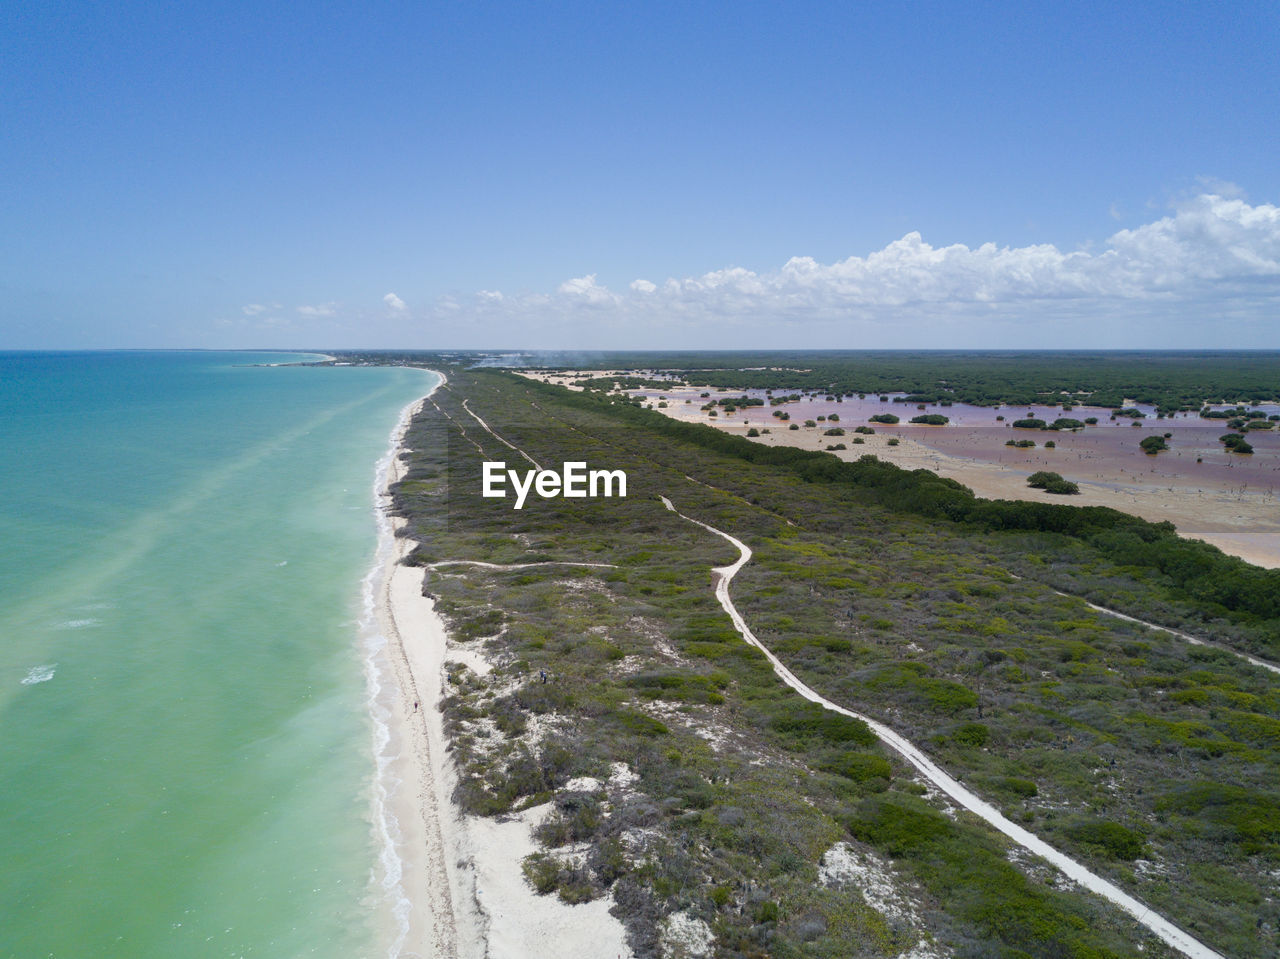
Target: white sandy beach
(462, 875)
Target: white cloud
(1211, 250)
(585, 290)
(253, 309)
(322, 309)
(394, 302)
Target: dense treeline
(1169, 381)
(1210, 578)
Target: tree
(1151, 445)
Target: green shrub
(1249, 817)
(766, 912)
(639, 723)
(860, 767)
(972, 734)
(1111, 838)
(811, 721)
(542, 871)
(1151, 445)
(1235, 443)
(1019, 787)
(1042, 478)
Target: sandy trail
(1193, 640)
(1166, 930)
(723, 576)
(500, 439)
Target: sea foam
(39, 674)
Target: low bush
(1111, 838)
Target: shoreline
(455, 882)
(424, 898)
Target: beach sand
(461, 875)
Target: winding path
(1167, 931)
(1181, 635)
(723, 575)
(1193, 640)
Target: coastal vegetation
(1154, 444)
(1236, 443)
(1169, 381)
(1052, 483)
(719, 793)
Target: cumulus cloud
(322, 309)
(394, 303)
(585, 290)
(1210, 248)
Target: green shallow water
(186, 749)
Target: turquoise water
(186, 755)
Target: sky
(639, 176)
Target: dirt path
(500, 439)
(1166, 930)
(1181, 635)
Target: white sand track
(499, 438)
(1181, 635)
(1162, 927)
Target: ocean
(187, 748)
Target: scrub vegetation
(716, 791)
(1169, 381)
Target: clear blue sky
(342, 174)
